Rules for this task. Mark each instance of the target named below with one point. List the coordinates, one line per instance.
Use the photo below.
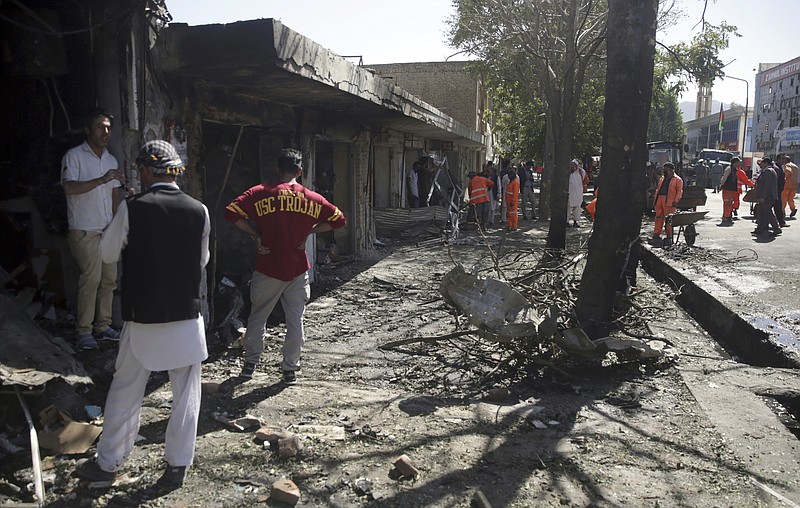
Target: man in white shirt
(92, 183)
(162, 237)
(575, 197)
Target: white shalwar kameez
(178, 347)
(575, 195)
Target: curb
(724, 325)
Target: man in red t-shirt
(284, 214)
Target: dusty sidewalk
(687, 432)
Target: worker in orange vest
(512, 198)
(478, 189)
(668, 192)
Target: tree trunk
(559, 191)
(563, 105)
(548, 163)
(631, 50)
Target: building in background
(450, 86)
(777, 116)
(736, 132)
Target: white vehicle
(709, 156)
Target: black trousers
(765, 217)
(778, 209)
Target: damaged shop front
(245, 90)
(229, 97)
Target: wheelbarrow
(693, 196)
(687, 214)
(685, 221)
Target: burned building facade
(229, 97)
(60, 59)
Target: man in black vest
(162, 236)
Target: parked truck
(658, 153)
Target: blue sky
(758, 23)
(415, 30)
(378, 30)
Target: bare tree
(630, 49)
(551, 44)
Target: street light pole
(746, 104)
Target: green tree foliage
(548, 48)
(518, 116)
(588, 137)
(699, 60)
(666, 119)
(683, 62)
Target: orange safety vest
(512, 192)
(674, 193)
(479, 189)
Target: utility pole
(746, 111)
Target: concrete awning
(264, 60)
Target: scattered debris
(405, 467)
(230, 327)
(504, 314)
(363, 487)
(491, 305)
(93, 412)
(255, 481)
(70, 438)
(322, 432)
(271, 434)
(284, 442)
(243, 424)
(285, 491)
(498, 394)
(289, 447)
(634, 349)
(574, 341)
(29, 358)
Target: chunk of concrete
(271, 434)
(405, 466)
(285, 491)
(289, 447)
